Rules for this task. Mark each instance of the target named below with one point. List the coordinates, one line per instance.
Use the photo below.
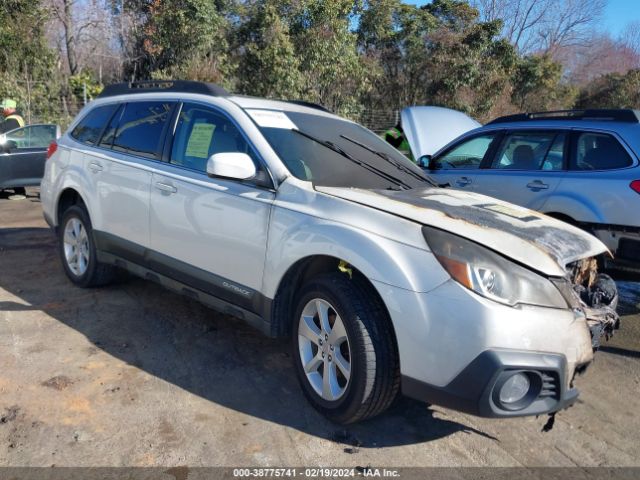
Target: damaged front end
(595, 296)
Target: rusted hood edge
(528, 237)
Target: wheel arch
(302, 271)
(575, 207)
(68, 197)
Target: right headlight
(489, 273)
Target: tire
(20, 191)
(75, 231)
(370, 353)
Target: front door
(210, 233)
(526, 168)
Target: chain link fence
(379, 121)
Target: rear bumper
(475, 390)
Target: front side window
(18, 138)
(202, 132)
(140, 128)
(599, 151)
(466, 155)
(40, 136)
(90, 127)
(530, 151)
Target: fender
(295, 235)
(76, 177)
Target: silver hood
(428, 129)
(528, 237)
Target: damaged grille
(596, 295)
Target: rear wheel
(344, 349)
(78, 252)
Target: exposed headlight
(489, 273)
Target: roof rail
(181, 86)
(616, 115)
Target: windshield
(336, 153)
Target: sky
(616, 16)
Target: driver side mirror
(235, 165)
(425, 162)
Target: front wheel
(344, 349)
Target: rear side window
(140, 128)
(466, 155)
(90, 127)
(530, 151)
(599, 151)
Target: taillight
(53, 146)
(635, 185)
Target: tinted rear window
(140, 128)
(599, 151)
(90, 127)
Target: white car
(308, 225)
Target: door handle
(165, 187)
(95, 167)
(537, 185)
(463, 181)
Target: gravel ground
(132, 375)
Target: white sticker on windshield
(272, 119)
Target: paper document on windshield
(272, 119)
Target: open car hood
(428, 129)
(528, 237)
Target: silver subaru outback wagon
(307, 225)
(581, 167)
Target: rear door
(23, 155)
(598, 180)
(459, 165)
(119, 167)
(526, 168)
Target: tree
(392, 36)
(168, 35)
(333, 71)
(25, 60)
(537, 85)
(471, 65)
(268, 64)
(612, 91)
(543, 26)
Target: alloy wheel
(324, 348)
(76, 246)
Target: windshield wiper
(386, 157)
(332, 146)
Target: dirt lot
(134, 375)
